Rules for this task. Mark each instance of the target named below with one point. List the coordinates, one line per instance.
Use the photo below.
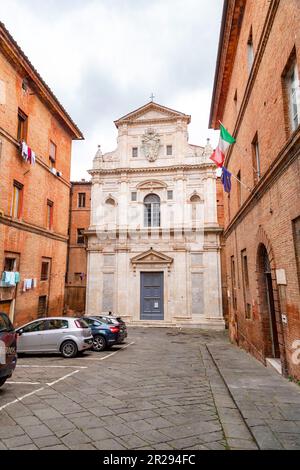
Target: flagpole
(243, 184)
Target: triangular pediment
(152, 257)
(152, 112)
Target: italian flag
(225, 141)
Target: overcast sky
(104, 58)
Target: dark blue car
(8, 348)
(104, 334)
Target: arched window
(152, 211)
(195, 201)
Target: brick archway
(267, 287)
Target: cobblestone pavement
(164, 391)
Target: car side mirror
(20, 332)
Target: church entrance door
(152, 296)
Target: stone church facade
(154, 239)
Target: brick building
(256, 95)
(80, 207)
(34, 198)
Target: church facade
(154, 238)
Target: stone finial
(98, 159)
(208, 150)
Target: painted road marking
(108, 355)
(62, 378)
(23, 383)
(21, 398)
(49, 367)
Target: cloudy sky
(103, 59)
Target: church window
(170, 195)
(134, 196)
(134, 152)
(152, 211)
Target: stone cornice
(233, 12)
(171, 115)
(254, 71)
(183, 167)
(20, 225)
(286, 157)
(21, 63)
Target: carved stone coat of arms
(150, 144)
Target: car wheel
(2, 381)
(99, 343)
(69, 349)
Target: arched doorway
(267, 304)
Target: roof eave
(17, 55)
(232, 16)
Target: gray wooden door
(152, 296)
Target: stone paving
(166, 391)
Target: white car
(63, 335)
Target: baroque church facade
(154, 238)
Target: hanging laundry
(34, 283)
(17, 277)
(24, 150)
(33, 157)
(8, 278)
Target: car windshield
(83, 323)
(5, 324)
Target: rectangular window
(250, 51)
(10, 264)
(246, 289)
(81, 199)
(293, 91)
(134, 152)
(80, 236)
(49, 215)
(17, 200)
(239, 189)
(22, 126)
(52, 153)
(134, 196)
(45, 270)
(169, 150)
(42, 306)
(170, 195)
(296, 233)
(256, 158)
(233, 284)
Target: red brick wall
(269, 219)
(77, 257)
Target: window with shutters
(42, 306)
(81, 199)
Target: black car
(8, 348)
(114, 320)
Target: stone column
(94, 283)
(212, 288)
(96, 202)
(210, 202)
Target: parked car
(105, 334)
(8, 348)
(114, 320)
(64, 335)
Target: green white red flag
(225, 141)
